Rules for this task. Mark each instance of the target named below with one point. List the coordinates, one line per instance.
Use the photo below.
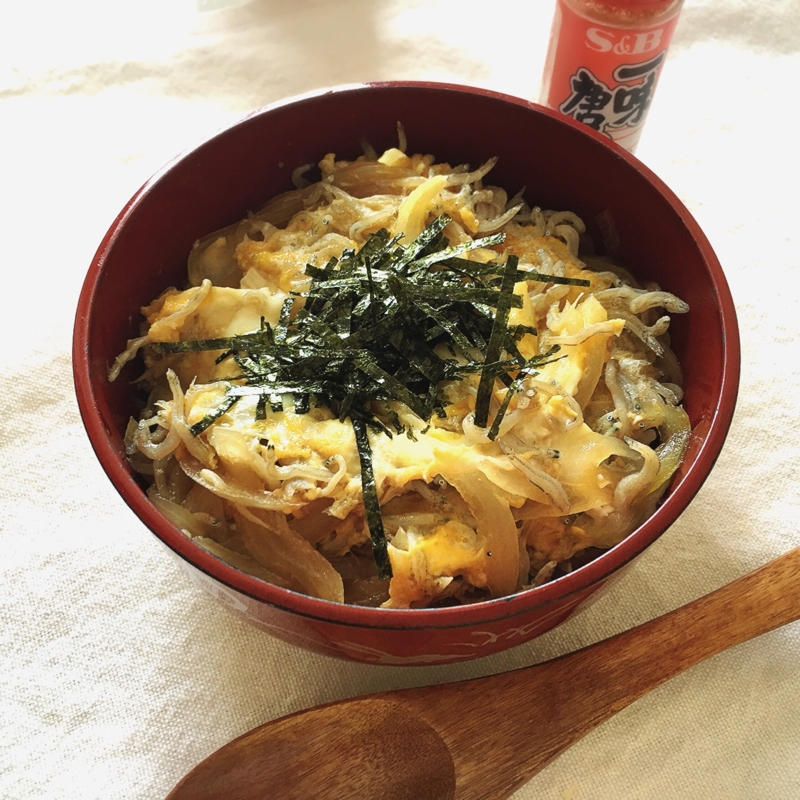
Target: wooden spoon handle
(482, 739)
(537, 712)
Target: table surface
(117, 675)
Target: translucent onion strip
(172, 322)
(273, 543)
(194, 444)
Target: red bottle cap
(633, 4)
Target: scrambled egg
(465, 516)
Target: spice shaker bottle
(604, 60)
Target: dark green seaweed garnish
(389, 323)
(372, 507)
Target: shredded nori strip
(530, 368)
(372, 507)
(496, 341)
(366, 334)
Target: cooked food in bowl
(396, 386)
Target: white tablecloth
(117, 675)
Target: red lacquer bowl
(563, 165)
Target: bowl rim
(591, 574)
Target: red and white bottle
(604, 61)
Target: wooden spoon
(484, 738)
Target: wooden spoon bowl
(484, 738)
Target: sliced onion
(180, 517)
(365, 179)
(196, 446)
(171, 322)
(544, 574)
(495, 523)
(274, 544)
(245, 563)
(675, 432)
